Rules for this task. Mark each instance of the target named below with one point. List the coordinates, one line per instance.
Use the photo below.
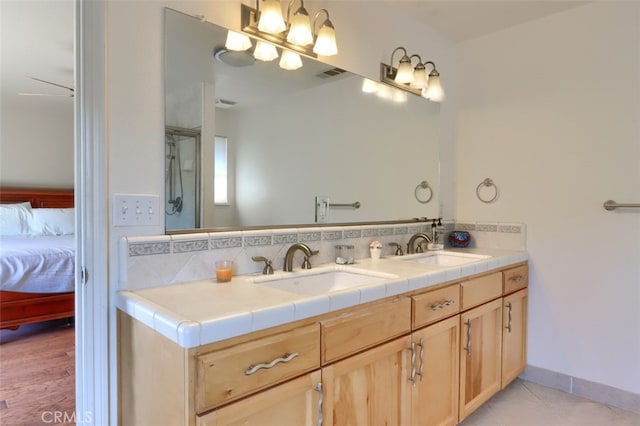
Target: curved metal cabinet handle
(518, 278)
(320, 401)
(421, 369)
(442, 305)
(508, 326)
(467, 347)
(412, 378)
(286, 358)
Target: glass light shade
(419, 78)
(404, 74)
(236, 41)
(326, 41)
(271, 20)
(369, 86)
(265, 51)
(290, 60)
(300, 31)
(434, 90)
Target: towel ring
(488, 183)
(423, 185)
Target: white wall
(343, 153)
(550, 110)
(36, 142)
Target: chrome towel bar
(612, 205)
(355, 205)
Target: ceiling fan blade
(50, 82)
(46, 94)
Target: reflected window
(220, 179)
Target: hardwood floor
(37, 374)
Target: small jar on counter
(345, 254)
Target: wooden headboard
(38, 197)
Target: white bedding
(37, 264)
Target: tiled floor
(524, 403)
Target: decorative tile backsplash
(151, 261)
(510, 236)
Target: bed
(43, 292)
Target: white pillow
(53, 221)
(15, 219)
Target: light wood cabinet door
(480, 355)
(370, 388)
(514, 336)
(434, 400)
(292, 403)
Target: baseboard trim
(583, 388)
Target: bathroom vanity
(422, 344)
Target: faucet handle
(419, 248)
(268, 269)
(398, 247)
(305, 263)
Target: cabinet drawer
(515, 279)
(228, 374)
(363, 328)
(292, 403)
(435, 305)
(481, 289)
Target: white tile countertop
(202, 312)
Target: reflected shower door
(182, 178)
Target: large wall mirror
(249, 144)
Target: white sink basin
(444, 258)
(323, 280)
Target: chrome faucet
(410, 245)
(288, 258)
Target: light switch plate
(322, 209)
(136, 210)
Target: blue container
(459, 239)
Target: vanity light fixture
(271, 20)
(290, 60)
(419, 75)
(265, 51)
(296, 35)
(326, 40)
(404, 74)
(300, 31)
(236, 41)
(413, 79)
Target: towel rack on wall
(354, 205)
(424, 199)
(612, 205)
(488, 182)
